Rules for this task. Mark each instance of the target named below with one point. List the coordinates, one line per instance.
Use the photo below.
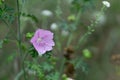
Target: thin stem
(23, 64)
(75, 24)
(18, 31)
(70, 39)
(57, 39)
(19, 36)
(81, 40)
(78, 18)
(19, 75)
(18, 18)
(59, 11)
(62, 68)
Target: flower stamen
(39, 40)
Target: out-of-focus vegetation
(92, 57)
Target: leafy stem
(91, 28)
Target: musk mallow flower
(106, 3)
(42, 41)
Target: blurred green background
(104, 43)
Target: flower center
(39, 40)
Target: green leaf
(33, 52)
(11, 57)
(33, 17)
(47, 67)
(81, 64)
(47, 55)
(53, 76)
(7, 13)
(5, 40)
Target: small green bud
(92, 30)
(71, 18)
(64, 77)
(5, 40)
(87, 54)
(29, 35)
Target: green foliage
(64, 25)
(53, 76)
(5, 40)
(33, 52)
(2, 42)
(76, 4)
(7, 13)
(38, 70)
(11, 57)
(1, 2)
(79, 4)
(44, 70)
(64, 77)
(80, 64)
(47, 55)
(47, 66)
(31, 16)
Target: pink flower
(42, 41)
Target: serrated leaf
(47, 66)
(33, 17)
(53, 76)
(7, 13)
